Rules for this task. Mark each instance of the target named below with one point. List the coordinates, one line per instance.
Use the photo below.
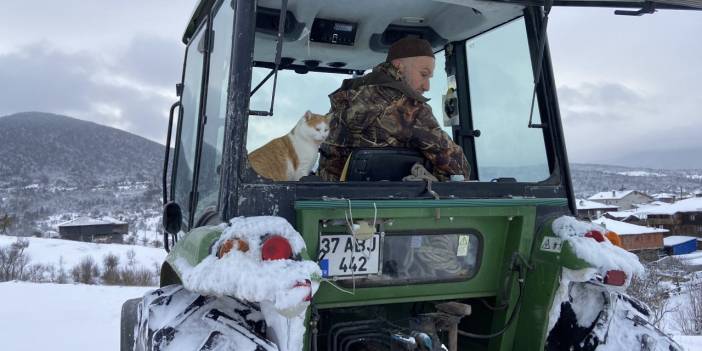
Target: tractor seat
(378, 164)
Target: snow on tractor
(489, 260)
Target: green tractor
(492, 262)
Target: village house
(106, 230)
(647, 242)
(628, 216)
(623, 199)
(591, 209)
(664, 197)
(681, 218)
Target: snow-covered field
(58, 317)
(73, 317)
(51, 251)
(690, 343)
(61, 317)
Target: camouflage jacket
(381, 110)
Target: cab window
(297, 93)
(215, 109)
(501, 85)
(187, 130)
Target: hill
(589, 179)
(45, 148)
(54, 168)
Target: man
(385, 108)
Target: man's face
(416, 71)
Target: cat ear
(308, 115)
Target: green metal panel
(540, 286)
(194, 246)
(506, 226)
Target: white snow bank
(689, 342)
(691, 259)
(62, 317)
(602, 255)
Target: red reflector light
(595, 235)
(276, 248)
(615, 277)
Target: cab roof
(377, 23)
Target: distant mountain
(46, 148)
(688, 158)
(589, 179)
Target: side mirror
(172, 221)
(172, 217)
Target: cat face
(315, 127)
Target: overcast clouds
(622, 81)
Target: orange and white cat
(292, 156)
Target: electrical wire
(506, 326)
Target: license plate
(344, 256)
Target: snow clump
(604, 256)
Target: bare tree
(689, 316)
(650, 289)
(13, 260)
(5, 222)
(86, 272)
(110, 273)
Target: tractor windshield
(500, 84)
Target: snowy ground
(59, 317)
(690, 343)
(72, 317)
(51, 251)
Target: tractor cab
(475, 262)
(239, 94)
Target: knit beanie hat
(409, 47)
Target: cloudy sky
(625, 84)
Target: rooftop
(623, 228)
(677, 239)
(625, 214)
(693, 204)
(83, 221)
(583, 204)
(610, 195)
